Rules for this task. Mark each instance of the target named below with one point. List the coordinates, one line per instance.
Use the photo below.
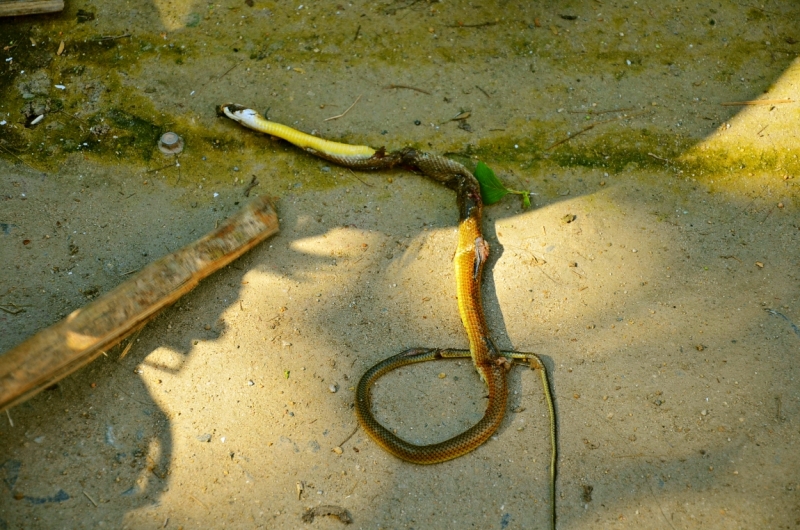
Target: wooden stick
(75, 341)
(29, 7)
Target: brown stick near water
(81, 337)
(15, 8)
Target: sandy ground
(667, 309)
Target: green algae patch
(611, 151)
(614, 151)
(58, 104)
(741, 163)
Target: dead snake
(470, 257)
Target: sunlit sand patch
(174, 14)
(760, 140)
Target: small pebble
(333, 388)
(250, 383)
(204, 438)
(337, 450)
(170, 143)
(442, 375)
(236, 168)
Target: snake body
(470, 257)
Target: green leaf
(492, 190)
(526, 200)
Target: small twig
(590, 127)
(70, 115)
(358, 179)
(756, 102)
(762, 130)
(18, 158)
(90, 498)
(129, 345)
(253, 184)
(199, 501)
(659, 158)
(568, 138)
(407, 87)
(596, 112)
(346, 439)
(345, 112)
(485, 93)
(478, 25)
(358, 32)
(115, 37)
(16, 311)
(159, 168)
(11, 422)
(229, 70)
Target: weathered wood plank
(82, 336)
(12, 8)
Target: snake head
(229, 107)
